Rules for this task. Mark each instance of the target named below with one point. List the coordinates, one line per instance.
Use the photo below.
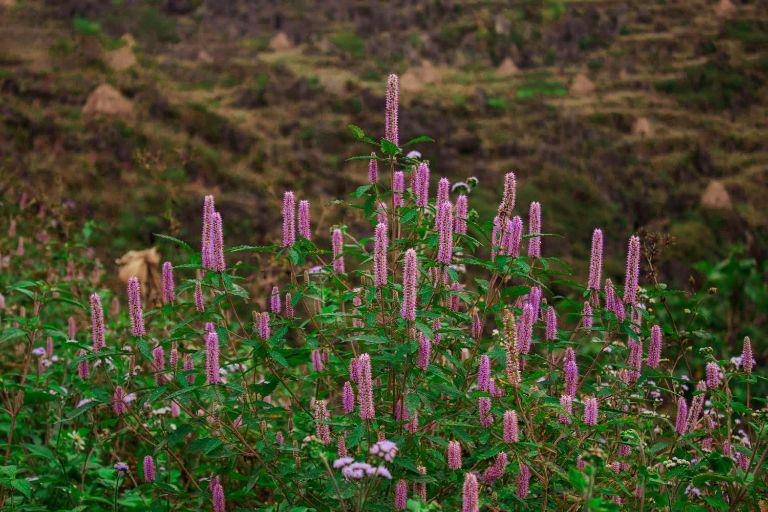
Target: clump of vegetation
(425, 363)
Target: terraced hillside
(655, 108)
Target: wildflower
(216, 245)
(512, 236)
(484, 408)
(385, 449)
(571, 377)
(455, 301)
(633, 271)
(189, 366)
(476, 326)
(596, 260)
(697, 404)
(134, 305)
(534, 229)
(443, 189)
(424, 351)
(421, 185)
(401, 495)
(97, 323)
(635, 360)
(317, 360)
(681, 421)
(551, 321)
(167, 283)
(410, 276)
(212, 375)
(149, 469)
(304, 229)
(398, 188)
(390, 115)
(82, 367)
(199, 302)
(263, 325)
(365, 389)
(373, 169)
(511, 433)
(380, 256)
(289, 311)
(158, 363)
(454, 455)
(590, 411)
(470, 494)
(121, 466)
(508, 198)
(496, 471)
(586, 315)
(119, 401)
(445, 229)
(323, 431)
(484, 373)
(523, 479)
(713, 375)
(338, 257)
(348, 397)
(525, 327)
(460, 216)
(747, 361)
(217, 497)
(420, 488)
(289, 219)
(654, 350)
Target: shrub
(424, 363)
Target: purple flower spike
(119, 404)
(508, 199)
(410, 278)
(212, 358)
(390, 119)
(681, 421)
(511, 430)
(169, 294)
(158, 363)
(134, 306)
(747, 360)
(523, 480)
(713, 375)
(633, 271)
(97, 323)
(454, 455)
(289, 219)
(445, 232)
(274, 301)
(380, 256)
(83, 371)
(217, 244)
(586, 315)
(484, 373)
(263, 326)
(421, 185)
(590, 411)
(208, 209)
(337, 244)
(401, 495)
(322, 429)
(317, 360)
(571, 377)
(373, 169)
(304, 229)
(596, 260)
(551, 330)
(484, 409)
(654, 351)
(534, 229)
(525, 328)
(149, 469)
(496, 471)
(425, 349)
(514, 232)
(443, 190)
(470, 494)
(365, 388)
(199, 301)
(348, 397)
(289, 310)
(217, 497)
(398, 188)
(460, 218)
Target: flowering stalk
(337, 245)
(97, 323)
(390, 119)
(365, 388)
(633, 271)
(304, 229)
(289, 219)
(410, 278)
(134, 306)
(596, 260)
(534, 230)
(212, 358)
(169, 295)
(380, 256)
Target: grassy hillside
(654, 112)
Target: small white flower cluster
(674, 462)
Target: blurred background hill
(634, 116)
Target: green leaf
(23, 486)
(178, 242)
(420, 138)
(357, 132)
